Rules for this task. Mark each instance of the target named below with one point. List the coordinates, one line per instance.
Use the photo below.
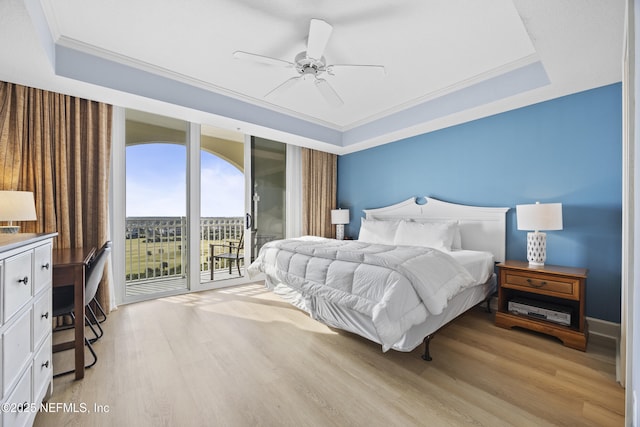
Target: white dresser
(25, 326)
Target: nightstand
(548, 289)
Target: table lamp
(540, 216)
(340, 217)
(16, 206)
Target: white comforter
(397, 286)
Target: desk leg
(78, 283)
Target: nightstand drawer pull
(535, 284)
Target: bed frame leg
(427, 356)
(488, 301)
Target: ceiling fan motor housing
(309, 66)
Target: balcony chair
(232, 252)
(63, 300)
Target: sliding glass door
(222, 205)
(268, 183)
(192, 204)
(156, 211)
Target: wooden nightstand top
(552, 269)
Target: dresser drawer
(568, 288)
(1, 295)
(41, 318)
(19, 403)
(16, 350)
(17, 283)
(42, 267)
(42, 370)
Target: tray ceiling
(446, 61)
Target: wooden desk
(69, 267)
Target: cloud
(156, 198)
(156, 183)
(222, 192)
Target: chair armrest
(219, 246)
(231, 246)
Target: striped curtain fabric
(319, 192)
(59, 147)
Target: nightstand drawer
(532, 283)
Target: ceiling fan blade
(329, 93)
(319, 33)
(285, 86)
(375, 69)
(262, 59)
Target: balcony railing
(156, 247)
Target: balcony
(156, 251)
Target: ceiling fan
(310, 64)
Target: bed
(415, 267)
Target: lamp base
(340, 231)
(536, 248)
(9, 229)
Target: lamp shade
(340, 216)
(17, 206)
(539, 216)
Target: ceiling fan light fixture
(308, 76)
(310, 64)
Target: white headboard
(481, 228)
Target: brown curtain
(319, 192)
(59, 147)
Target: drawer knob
(23, 407)
(45, 364)
(46, 315)
(536, 285)
(24, 280)
(45, 266)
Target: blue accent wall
(566, 150)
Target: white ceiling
(447, 61)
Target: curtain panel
(59, 147)
(319, 192)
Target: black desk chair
(63, 299)
(100, 309)
(232, 252)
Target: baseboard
(610, 331)
(603, 328)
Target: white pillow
(438, 235)
(457, 236)
(380, 232)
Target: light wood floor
(241, 357)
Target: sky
(156, 183)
